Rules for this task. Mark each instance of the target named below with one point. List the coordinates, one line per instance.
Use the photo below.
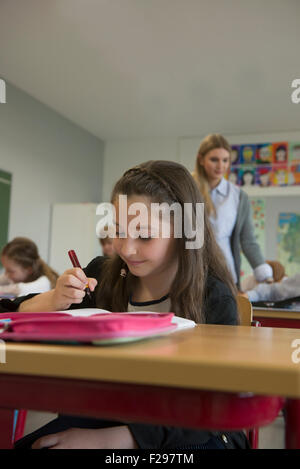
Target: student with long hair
(228, 208)
(148, 272)
(25, 272)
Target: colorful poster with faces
(280, 152)
(294, 152)
(235, 154)
(247, 176)
(264, 176)
(248, 154)
(294, 175)
(264, 153)
(280, 175)
(233, 176)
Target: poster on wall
(288, 242)
(265, 164)
(258, 214)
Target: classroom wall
(51, 159)
(121, 155)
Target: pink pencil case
(63, 327)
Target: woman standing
(228, 208)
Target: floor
(270, 437)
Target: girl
(25, 271)
(228, 208)
(148, 272)
(106, 242)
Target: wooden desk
(277, 318)
(164, 380)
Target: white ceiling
(157, 68)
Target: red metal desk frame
(148, 404)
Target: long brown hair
(210, 142)
(24, 252)
(166, 181)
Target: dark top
(220, 308)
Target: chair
(246, 319)
(245, 311)
(19, 424)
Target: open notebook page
(182, 323)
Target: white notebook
(182, 323)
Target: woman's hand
(242, 293)
(70, 288)
(82, 438)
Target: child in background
(25, 271)
(150, 272)
(106, 242)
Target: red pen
(75, 263)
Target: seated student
(25, 272)
(149, 271)
(106, 243)
(283, 287)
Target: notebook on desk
(7, 296)
(290, 304)
(94, 326)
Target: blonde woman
(228, 208)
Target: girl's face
(280, 154)
(144, 256)
(233, 178)
(107, 247)
(248, 179)
(265, 179)
(215, 164)
(15, 272)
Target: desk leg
(292, 424)
(6, 428)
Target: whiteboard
(73, 226)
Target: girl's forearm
(12, 288)
(39, 303)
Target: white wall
(122, 155)
(51, 159)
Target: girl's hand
(70, 288)
(82, 438)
